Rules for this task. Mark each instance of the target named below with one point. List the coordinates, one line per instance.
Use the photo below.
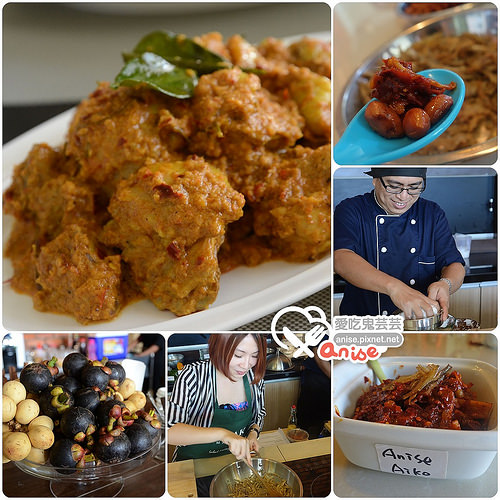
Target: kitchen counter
(304, 458)
(147, 480)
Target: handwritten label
(412, 461)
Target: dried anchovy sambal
(432, 397)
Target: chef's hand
(252, 440)
(238, 446)
(413, 303)
(440, 291)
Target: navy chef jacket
(412, 247)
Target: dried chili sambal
(429, 398)
(398, 86)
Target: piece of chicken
(170, 219)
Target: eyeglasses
(413, 191)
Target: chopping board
(181, 479)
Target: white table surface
(55, 53)
(352, 481)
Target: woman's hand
(238, 446)
(252, 440)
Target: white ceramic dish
(245, 294)
(468, 453)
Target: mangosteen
(112, 412)
(74, 363)
(77, 423)
(36, 377)
(87, 397)
(70, 383)
(140, 439)
(149, 421)
(117, 373)
(54, 401)
(112, 446)
(95, 375)
(66, 453)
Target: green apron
(232, 420)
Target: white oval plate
(245, 294)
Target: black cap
(398, 172)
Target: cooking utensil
(480, 20)
(361, 145)
(278, 362)
(238, 471)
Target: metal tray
(477, 20)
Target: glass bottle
(292, 421)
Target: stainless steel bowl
(415, 18)
(237, 471)
(278, 362)
(422, 324)
(479, 20)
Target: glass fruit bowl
(104, 480)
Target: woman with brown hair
(217, 405)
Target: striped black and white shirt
(192, 398)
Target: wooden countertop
(148, 480)
(182, 475)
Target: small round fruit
(15, 390)
(416, 123)
(130, 405)
(139, 399)
(27, 410)
(42, 420)
(38, 456)
(87, 398)
(41, 437)
(127, 388)
(70, 383)
(36, 377)
(16, 446)
(112, 449)
(55, 400)
(77, 423)
(117, 372)
(65, 453)
(95, 376)
(140, 439)
(8, 408)
(74, 363)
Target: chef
(395, 249)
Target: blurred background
(54, 53)
(19, 349)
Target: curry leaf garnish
(158, 73)
(180, 51)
